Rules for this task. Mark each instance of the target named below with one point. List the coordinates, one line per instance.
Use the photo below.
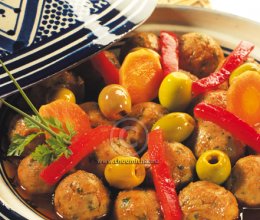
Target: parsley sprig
(55, 146)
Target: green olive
(243, 68)
(213, 166)
(176, 126)
(66, 94)
(125, 172)
(175, 91)
(114, 102)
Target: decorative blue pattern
(55, 34)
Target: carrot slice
(141, 74)
(65, 112)
(243, 97)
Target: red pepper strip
(106, 68)
(164, 184)
(81, 147)
(169, 52)
(234, 60)
(228, 121)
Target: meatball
(206, 200)
(209, 136)
(244, 180)
(142, 39)
(181, 162)
(140, 121)
(44, 92)
(136, 205)
(18, 127)
(81, 195)
(95, 116)
(199, 54)
(216, 97)
(29, 176)
(108, 150)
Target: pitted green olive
(175, 91)
(176, 126)
(213, 166)
(243, 68)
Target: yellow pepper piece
(66, 94)
(125, 172)
(213, 166)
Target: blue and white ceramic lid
(41, 37)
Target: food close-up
(163, 126)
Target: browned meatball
(136, 205)
(180, 160)
(81, 195)
(18, 127)
(44, 92)
(140, 121)
(95, 116)
(199, 54)
(205, 200)
(244, 180)
(29, 177)
(209, 136)
(141, 39)
(216, 97)
(108, 150)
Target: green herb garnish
(56, 145)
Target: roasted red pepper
(80, 148)
(106, 68)
(228, 121)
(235, 59)
(169, 52)
(164, 184)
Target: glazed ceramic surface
(225, 28)
(41, 37)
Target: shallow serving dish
(225, 28)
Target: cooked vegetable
(240, 129)
(235, 59)
(175, 91)
(82, 146)
(140, 39)
(243, 97)
(114, 102)
(175, 126)
(169, 51)
(243, 68)
(66, 112)
(213, 166)
(164, 184)
(66, 94)
(125, 172)
(106, 68)
(141, 74)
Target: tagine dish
(164, 126)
